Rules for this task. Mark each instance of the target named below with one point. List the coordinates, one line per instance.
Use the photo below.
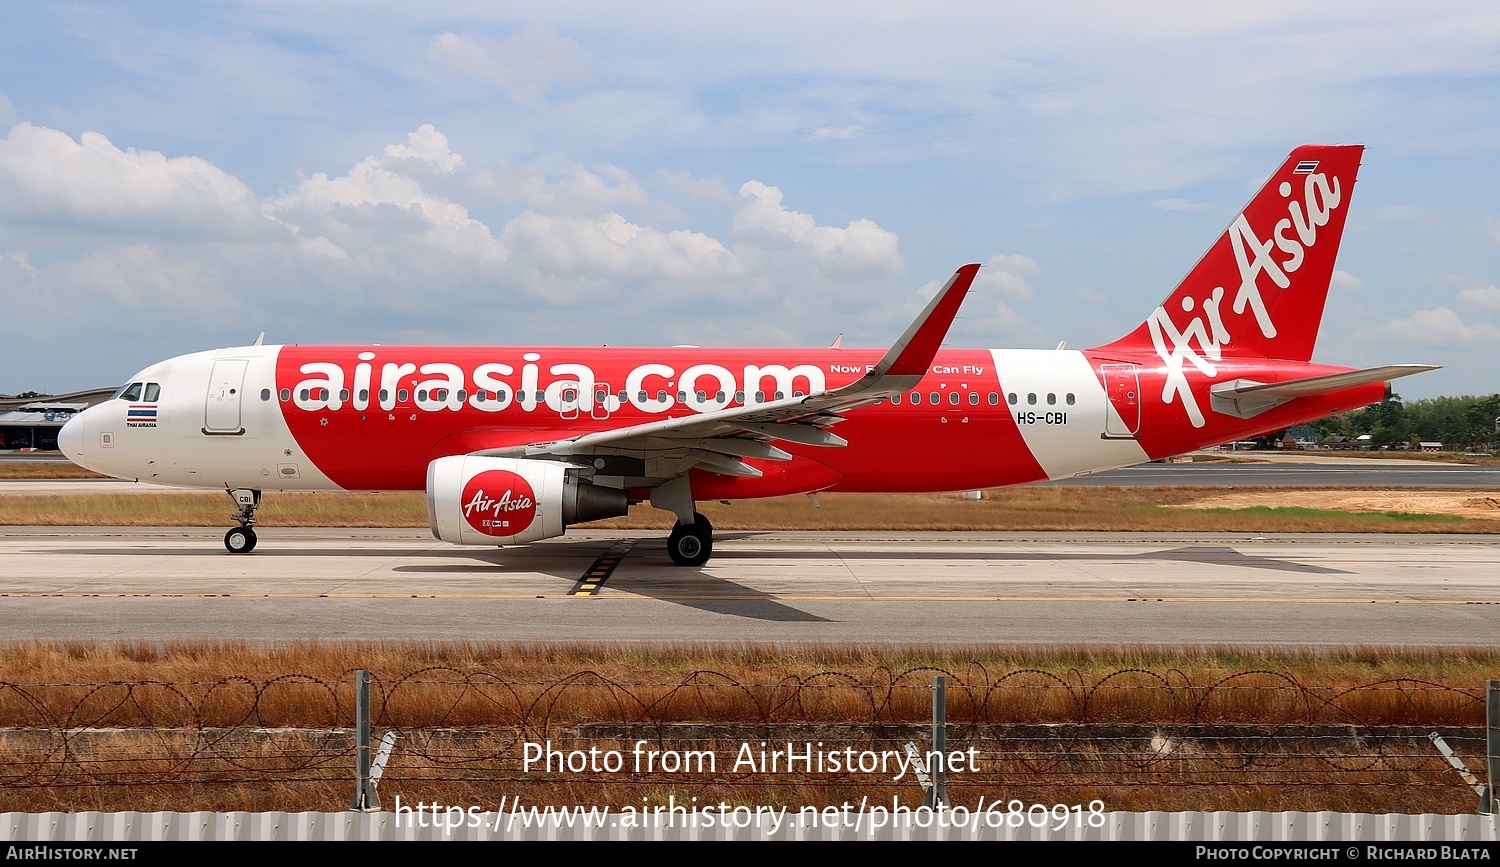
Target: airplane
(515, 444)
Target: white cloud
(1182, 205)
(1090, 295)
(702, 190)
(841, 133)
(524, 66)
(391, 251)
(1005, 274)
(1438, 326)
(571, 189)
(47, 177)
(1483, 296)
(1405, 213)
(764, 228)
(1345, 280)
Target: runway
(1032, 588)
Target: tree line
(1459, 423)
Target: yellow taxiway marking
(593, 579)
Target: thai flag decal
(1305, 167)
(141, 413)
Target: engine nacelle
(473, 500)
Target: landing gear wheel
(240, 540)
(691, 544)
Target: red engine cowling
(473, 500)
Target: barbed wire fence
(821, 737)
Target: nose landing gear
(241, 539)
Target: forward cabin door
(1124, 389)
(226, 387)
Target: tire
(693, 544)
(240, 540)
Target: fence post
(938, 758)
(1491, 743)
(365, 797)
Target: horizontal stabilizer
(1246, 397)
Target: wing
(718, 441)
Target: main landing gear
(691, 544)
(241, 539)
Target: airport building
(32, 423)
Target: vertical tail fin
(1260, 289)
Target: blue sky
(175, 177)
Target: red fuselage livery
(513, 444)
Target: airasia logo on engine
(499, 503)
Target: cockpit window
(153, 392)
(132, 391)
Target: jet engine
(474, 500)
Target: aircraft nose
(70, 439)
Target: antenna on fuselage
(259, 339)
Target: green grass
(1304, 512)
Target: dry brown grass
(464, 710)
(1024, 508)
(45, 470)
(538, 684)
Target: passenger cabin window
(953, 398)
(936, 398)
(994, 398)
(896, 399)
(1031, 399)
(286, 394)
(132, 391)
(364, 395)
(1051, 399)
(1070, 400)
(973, 398)
(153, 392)
(265, 394)
(401, 395)
(1011, 398)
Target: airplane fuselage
(373, 417)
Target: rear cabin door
(1124, 389)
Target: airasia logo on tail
(499, 503)
(1292, 237)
